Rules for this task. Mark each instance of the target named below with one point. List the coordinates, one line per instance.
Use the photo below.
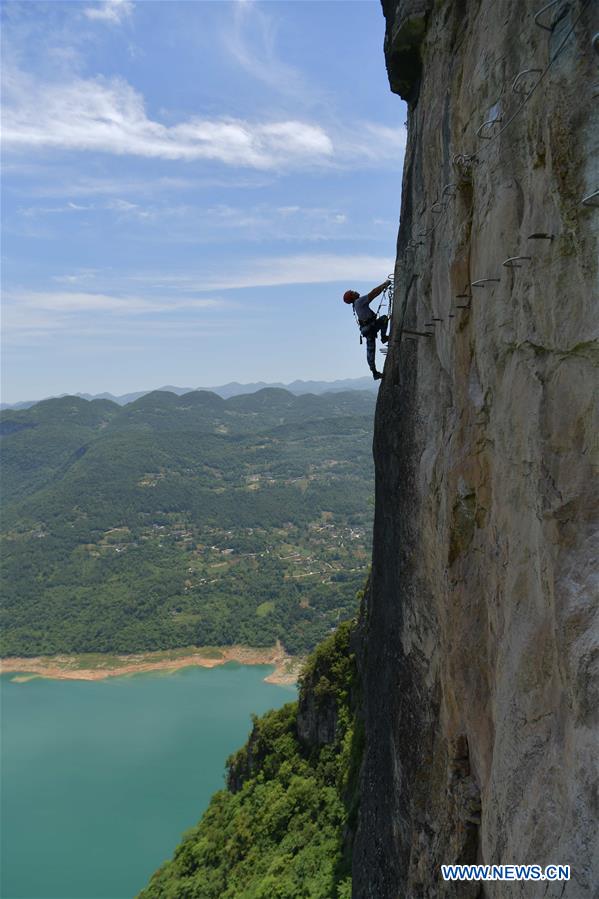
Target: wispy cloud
(263, 222)
(375, 143)
(114, 12)
(80, 301)
(250, 40)
(197, 223)
(34, 316)
(50, 181)
(317, 268)
(34, 211)
(306, 269)
(37, 329)
(108, 115)
(78, 277)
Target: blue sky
(189, 187)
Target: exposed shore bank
(97, 666)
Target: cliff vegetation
(279, 830)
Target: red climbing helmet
(349, 296)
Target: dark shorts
(371, 328)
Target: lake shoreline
(73, 667)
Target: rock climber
(370, 324)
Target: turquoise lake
(100, 779)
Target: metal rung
(435, 319)
(463, 296)
(482, 281)
(512, 261)
(540, 13)
(540, 235)
(591, 200)
(416, 333)
(464, 158)
(521, 75)
(463, 307)
(383, 350)
(486, 125)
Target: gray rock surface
(479, 643)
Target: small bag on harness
(366, 328)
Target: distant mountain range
(233, 388)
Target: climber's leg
(382, 323)
(371, 357)
(370, 352)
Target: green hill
(283, 826)
(183, 520)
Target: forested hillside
(282, 827)
(183, 520)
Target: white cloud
(16, 302)
(31, 318)
(108, 115)
(250, 40)
(198, 223)
(83, 275)
(274, 222)
(58, 182)
(320, 268)
(122, 205)
(112, 11)
(34, 211)
(374, 143)
(306, 269)
(38, 329)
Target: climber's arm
(377, 291)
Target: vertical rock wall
(479, 635)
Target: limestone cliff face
(479, 635)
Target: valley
(184, 521)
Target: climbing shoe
(377, 375)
